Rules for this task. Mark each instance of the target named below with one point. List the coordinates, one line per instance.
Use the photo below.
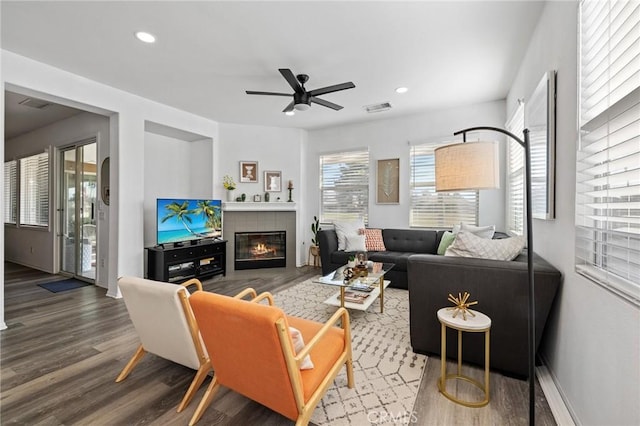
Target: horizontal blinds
(433, 209)
(344, 186)
(608, 160)
(10, 191)
(515, 175)
(34, 190)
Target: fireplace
(265, 249)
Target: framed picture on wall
(272, 181)
(249, 171)
(388, 181)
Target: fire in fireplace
(265, 249)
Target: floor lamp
(474, 165)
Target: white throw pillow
(344, 228)
(355, 243)
(298, 345)
(480, 231)
(467, 244)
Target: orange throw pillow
(373, 240)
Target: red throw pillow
(373, 240)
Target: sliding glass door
(78, 189)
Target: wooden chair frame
(305, 410)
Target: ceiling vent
(378, 107)
(35, 103)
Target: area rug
(63, 285)
(387, 372)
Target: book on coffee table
(360, 286)
(353, 297)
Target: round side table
(478, 324)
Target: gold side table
(478, 324)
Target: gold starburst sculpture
(461, 305)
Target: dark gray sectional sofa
(400, 244)
(500, 287)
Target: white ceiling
(209, 52)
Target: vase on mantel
(230, 195)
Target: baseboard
(557, 405)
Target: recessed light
(402, 90)
(290, 113)
(145, 37)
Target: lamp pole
(532, 313)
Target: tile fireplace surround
(259, 217)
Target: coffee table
(374, 281)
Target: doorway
(79, 192)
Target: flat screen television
(180, 220)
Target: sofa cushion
(445, 242)
(355, 242)
(400, 259)
(480, 231)
(344, 228)
(410, 240)
(374, 241)
(467, 244)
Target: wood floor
(62, 352)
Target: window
(10, 191)
(608, 160)
(344, 186)
(431, 209)
(34, 190)
(515, 175)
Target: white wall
(128, 116)
(592, 339)
(390, 139)
(34, 247)
(167, 174)
(273, 148)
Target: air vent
(378, 107)
(35, 103)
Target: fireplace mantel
(280, 206)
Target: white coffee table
(374, 280)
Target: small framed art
(249, 171)
(272, 181)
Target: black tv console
(178, 264)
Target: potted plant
(315, 227)
(230, 185)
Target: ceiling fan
(302, 98)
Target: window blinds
(34, 190)
(431, 209)
(10, 191)
(344, 186)
(608, 159)
(515, 175)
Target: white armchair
(163, 319)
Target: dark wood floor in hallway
(62, 352)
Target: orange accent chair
(161, 314)
(252, 353)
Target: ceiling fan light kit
(302, 98)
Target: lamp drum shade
(467, 165)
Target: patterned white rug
(387, 372)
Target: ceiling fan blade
(291, 79)
(253, 92)
(326, 103)
(289, 107)
(331, 89)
